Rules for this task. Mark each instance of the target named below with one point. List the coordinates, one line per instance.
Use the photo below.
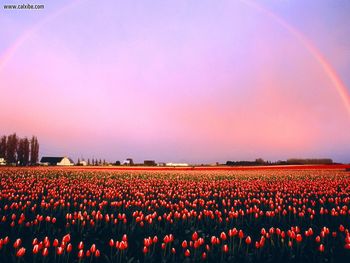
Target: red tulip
(299, 238)
(155, 239)
(111, 242)
(240, 234)
(347, 239)
(81, 254)
(97, 253)
(145, 250)
(223, 236)
(45, 252)
(35, 241)
(184, 244)
(69, 247)
(59, 250)
(21, 252)
(194, 236)
(321, 248)
(93, 248)
(257, 244)
(123, 245)
(248, 240)
(187, 253)
(36, 249)
(66, 238)
(55, 242)
(17, 243)
(166, 239)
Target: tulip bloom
(45, 252)
(59, 250)
(17, 243)
(248, 240)
(223, 236)
(21, 252)
(299, 238)
(66, 238)
(36, 249)
(194, 236)
(69, 247)
(321, 248)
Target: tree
(34, 150)
(26, 153)
(20, 152)
(11, 148)
(88, 162)
(3, 148)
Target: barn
(59, 161)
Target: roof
(53, 160)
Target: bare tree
(34, 150)
(3, 148)
(20, 151)
(11, 148)
(26, 151)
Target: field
(189, 215)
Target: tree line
(19, 151)
(293, 161)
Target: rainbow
(317, 55)
(8, 54)
(326, 66)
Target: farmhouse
(60, 161)
(2, 161)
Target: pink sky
(177, 81)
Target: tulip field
(63, 215)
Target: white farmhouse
(59, 161)
(2, 161)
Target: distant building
(82, 163)
(149, 163)
(177, 164)
(59, 161)
(128, 161)
(2, 161)
(161, 164)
